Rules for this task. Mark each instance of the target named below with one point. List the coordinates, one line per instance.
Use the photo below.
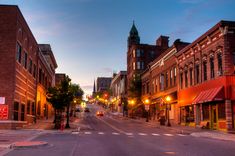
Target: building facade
(206, 89)
(159, 80)
(103, 84)
(19, 69)
(119, 92)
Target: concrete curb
(28, 144)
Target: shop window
(182, 115)
(186, 78)
(205, 70)
(221, 111)
(189, 110)
(220, 66)
(212, 67)
(33, 108)
(205, 111)
(181, 80)
(18, 52)
(22, 112)
(197, 73)
(16, 111)
(191, 76)
(28, 107)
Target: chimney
(162, 42)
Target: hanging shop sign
(3, 112)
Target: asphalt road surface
(108, 136)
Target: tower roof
(133, 30)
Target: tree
(135, 87)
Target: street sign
(146, 107)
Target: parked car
(87, 110)
(100, 113)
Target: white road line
(114, 133)
(75, 132)
(181, 135)
(142, 134)
(87, 132)
(101, 133)
(129, 134)
(168, 134)
(154, 134)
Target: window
(186, 78)
(166, 79)
(161, 81)
(191, 76)
(189, 113)
(39, 108)
(18, 52)
(143, 89)
(40, 75)
(33, 108)
(133, 65)
(175, 75)
(30, 66)
(221, 111)
(181, 80)
(197, 73)
(34, 71)
(142, 65)
(205, 70)
(212, 67)
(156, 82)
(133, 53)
(138, 65)
(152, 54)
(171, 77)
(25, 60)
(22, 112)
(28, 107)
(205, 111)
(147, 87)
(138, 54)
(153, 86)
(220, 67)
(16, 111)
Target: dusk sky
(89, 37)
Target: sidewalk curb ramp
(28, 144)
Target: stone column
(228, 113)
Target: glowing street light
(168, 100)
(147, 102)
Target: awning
(215, 94)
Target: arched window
(220, 66)
(212, 66)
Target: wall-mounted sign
(2, 100)
(3, 112)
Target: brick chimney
(163, 41)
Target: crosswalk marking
(168, 134)
(87, 132)
(101, 133)
(181, 135)
(129, 133)
(154, 134)
(142, 134)
(114, 133)
(75, 132)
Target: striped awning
(214, 94)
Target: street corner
(28, 144)
(215, 135)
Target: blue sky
(89, 37)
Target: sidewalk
(193, 131)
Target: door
(213, 117)
(198, 115)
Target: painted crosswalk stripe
(168, 134)
(142, 134)
(87, 132)
(129, 133)
(154, 134)
(101, 133)
(75, 132)
(181, 135)
(114, 133)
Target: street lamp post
(147, 102)
(168, 100)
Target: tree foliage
(135, 87)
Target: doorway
(214, 117)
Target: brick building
(119, 91)
(159, 80)
(206, 91)
(19, 59)
(140, 55)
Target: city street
(107, 136)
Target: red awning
(214, 94)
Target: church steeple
(133, 37)
(94, 89)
